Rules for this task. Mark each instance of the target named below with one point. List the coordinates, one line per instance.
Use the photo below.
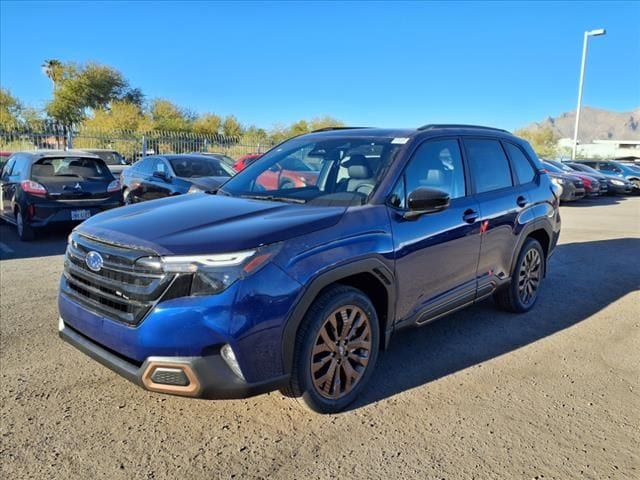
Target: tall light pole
(590, 33)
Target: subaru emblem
(94, 261)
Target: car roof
(40, 154)
(178, 156)
(98, 150)
(429, 129)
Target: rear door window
(524, 170)
(488, 164)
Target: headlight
(217, 272)
(617, 182)
(558, 181)
(194, 189)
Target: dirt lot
(482, 394)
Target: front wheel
(336, 350)
(522, 292)
(127, 197)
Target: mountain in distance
(595, 124)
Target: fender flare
(371, 265)
(540, 224)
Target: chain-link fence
(131, 145)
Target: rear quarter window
(524, 170)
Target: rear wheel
(336, 350)
(522, 292)
(25, 231)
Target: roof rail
(455, 125)
(327, 129)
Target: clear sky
(384, 63)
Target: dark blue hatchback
(298, 284)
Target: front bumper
(205, 376)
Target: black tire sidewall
(517, 302)
(27, 231)
(311, 397)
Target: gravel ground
(480, 394)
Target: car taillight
(29, 186)
(114, 186)
(587, 182)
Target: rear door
(7, 184)
(502, 208)
(436, 253)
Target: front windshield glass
(193, 167)
(110, 158)
(326, 171)
(552, 168)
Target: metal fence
(132, 145)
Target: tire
(522, 292)
(127, 199)
(354, 367)
(25, 232)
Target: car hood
(201, 223)
(208, 183)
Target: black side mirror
(161, 175)
(425, 200)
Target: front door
(437, 253)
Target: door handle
(521, 201)
(470, 215)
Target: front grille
(121, 290)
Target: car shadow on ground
(51, 241)
(418, 356)
(590, 201)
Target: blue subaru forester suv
(265, 285)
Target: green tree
(324, 122)
(168, 116)
(544, 141)
(79, 89)
(231, 127)
(10, 110)
(122, 115)
(207, 124)
(255, 135)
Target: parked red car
(289, 173)
(246, 160)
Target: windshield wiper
(274, 198)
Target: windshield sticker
(400, 140)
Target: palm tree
(53, 69)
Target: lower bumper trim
(209, 376)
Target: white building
(610, 149)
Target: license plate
(80, 214)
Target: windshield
(110, 158)
(194, 167)
(627, 166)
(75, 167)
(585, 168)
(551, 167)
(329, 171)
(561, 166)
